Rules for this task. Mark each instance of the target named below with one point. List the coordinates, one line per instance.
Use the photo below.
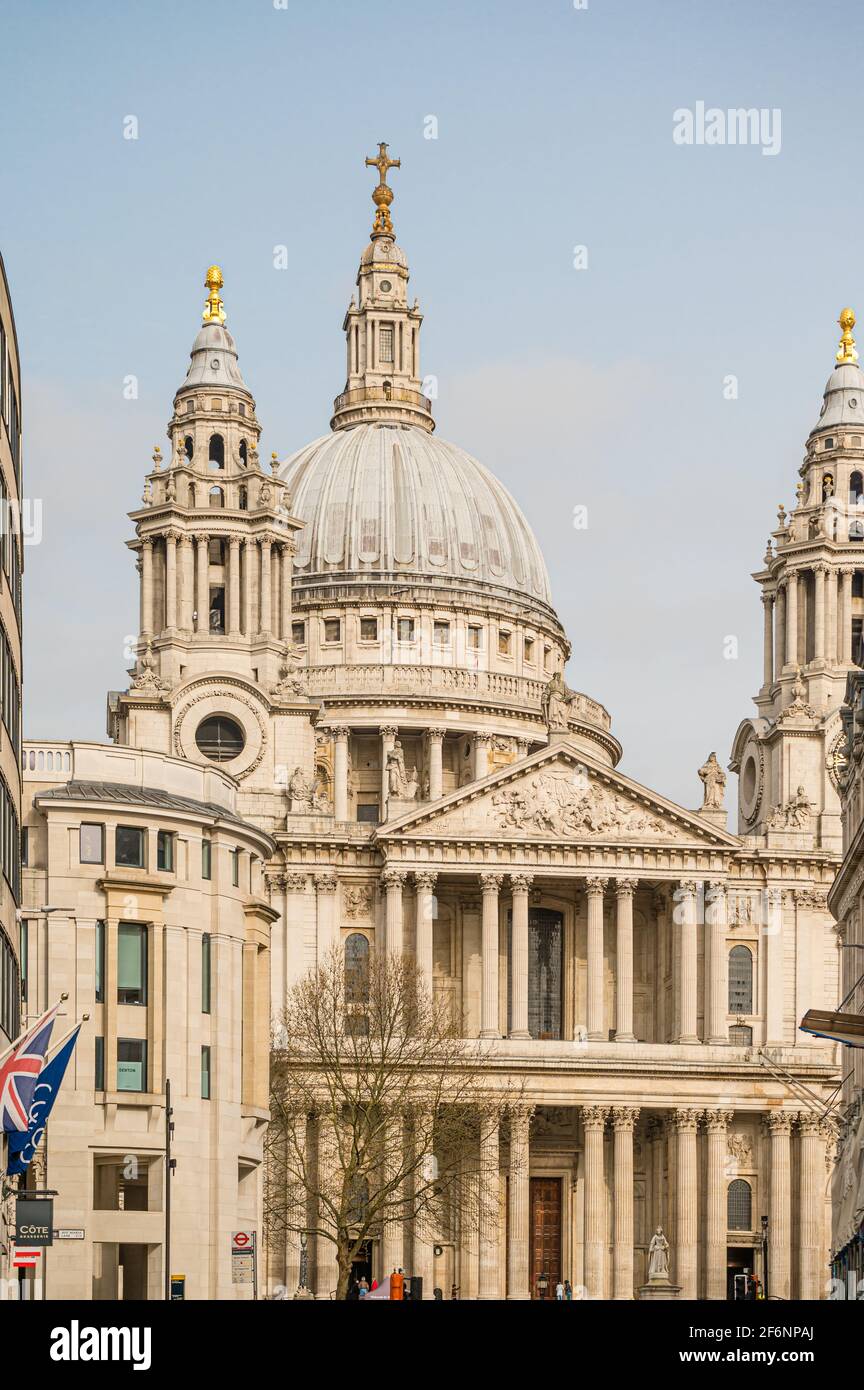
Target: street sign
(242, 1242)
(34, 1221)
(69, 1233)
(178, 1287)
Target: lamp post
(765, 1270)
(169, 1169)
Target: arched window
(188, 446)
(243, 499)
(856, 507)
(740, 980)
(217, 451)
(217, 497)
(243, 453)
(739, 1204)
(357, 969)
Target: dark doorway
(545, 973)
(545, 1236)
(361, 1265)
(738, 1259)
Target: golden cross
(382, 163)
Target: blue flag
(23, 1144)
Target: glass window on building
(165, 851)
(99, 1065)
(235, 868)
(740, 980)
(206, 859)
(441, 633)
(205, 1072)
(131, 1064)
(368, 812)
(298, 634)
(91, 844)
(25, 848)
(100, 962)
(206, 972)
(368, 629)
(332, 629)
(129, 847)
(475, 637)
(131, 963)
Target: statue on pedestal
(658, 1256)
(714, 782)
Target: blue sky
(601, 386)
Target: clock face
(837, 761)
(386, 287)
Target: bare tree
(377, 1103)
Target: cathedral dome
(388, 501)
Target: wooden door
(545, 1234)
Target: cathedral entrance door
(545, 1236)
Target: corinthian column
(624, 890)
(171, 580)
(146, 588)
(202, 599)
(624, 1119)
(819, 610)
(234, 586)
(716, 1123)
(340, 772)
(594, 1122)
(266, 586)
(518, 1233)
(521, 884)
(780, 628)
(425, 922)
(436, 763)
(394, 880)
(186, 580)
(791, 592)
(845, 642)
(489, 1022)
(595, 888)
(813, 1277)
(490, 1200)
(686, 1122)
(779, 1126)
(685, 912)
(481, 755)
(768, 640)
(392, 1242)
(718, 974)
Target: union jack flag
(19, 1072)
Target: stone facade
(363, 642)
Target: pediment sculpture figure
(556, 703)
(301, 790)
(714, 783)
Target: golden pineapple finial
(382, 195)
(214, 311)
(846, 351)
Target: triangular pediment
(558, 794)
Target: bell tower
(382, 331)
(214, 543)
(812, 589)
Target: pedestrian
(559, 1292)
(568, 1291)
(373, 1286)
(363, 1286)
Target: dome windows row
(430, 638)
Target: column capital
(521, 1113)
(326, 882)
(521, 883)
(778, 1122)
(394, 878)
(624, 1118)
(596, 886)
(686, 1119)
(425, 880)
(689, 886)
(814, 1126)
(337, 731)
(625, 887)
(718, 1121)
(201, 538)
(594, 1117)
(171, 536)
(481, 736)
(389, 730)
(296, 882)
(436, 732)
(234, 542)
(768, 599)
(491, 883)
(147, 543)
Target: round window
(748, 781)
(220, 739)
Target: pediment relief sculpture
(559, 803)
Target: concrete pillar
(425, 914)
(234, 586)
(187, 582)
(624, 890)
(394, 881)
(774, 969)
(595, 888)
(686, 1122)
(831, 577)
(392, 1231)
(518, 1195)
(286, 552)
(718, 972)
(340, 772)
(147, 588)
(768, 639)
(326, 884)
(716, 1123)
(202, 598)
(326, 1263)
(481, 755)
(813, 1268)
(266, 586)
(250, 561)
(489, 1021)
(594, 1123)
(624, 1119)
(435, 737)
(819, 612)
(490, 1202)
(845, 643)
(781, 630)
(171, 580)
(779, 1126)
(793, 655)
(520, 885)
(686, 935)
(388, 739)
